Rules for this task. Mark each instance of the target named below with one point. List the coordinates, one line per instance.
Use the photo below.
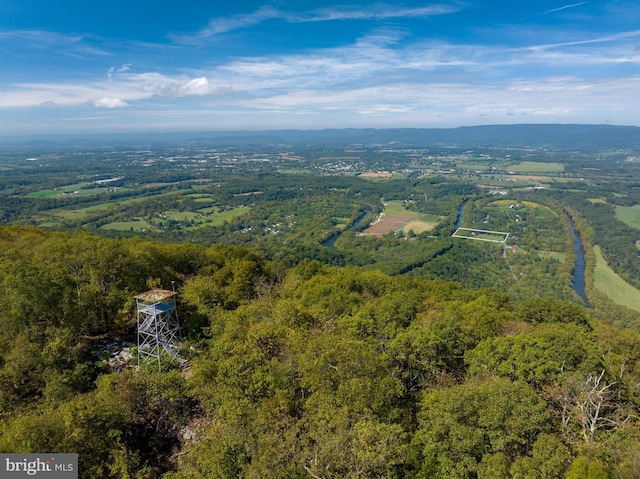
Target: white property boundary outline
(503, 241)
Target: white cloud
(197, 86)
(109, 103)
(378, 77)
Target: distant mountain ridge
(557, 136)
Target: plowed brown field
(387, 224)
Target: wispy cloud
(113, 70)
(573, 5)
(600, 39)
(51, 42)
(378, 11)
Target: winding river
(331, 241)
(461, 214)
(577, 282)
(578, 270)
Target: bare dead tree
(594, 405)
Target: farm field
(387, 224)
(629, 215)
(542, 210)
(397, 217)
(208, 216)
(398, 207)
(507, 204)
(134, 225)
(607, 281)
(422, 223)
(475, 166)
(376, 175)
(552, 254)
(536, 167)
(84, 189)
(481, 235)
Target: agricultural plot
(397, 217)
(376, 175)
(387, 224)
(629, 215)
(422, 223)
(83, 213)
(475, 166)
(536, 167)
(552, 255)
(84, 189)
(137, 225)
(481, 235)
(43, 194)
(197, 198)
(204, 217)
(541, 210)
(616, 289)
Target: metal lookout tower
(158, 326)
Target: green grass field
(203, 217)
(83, 213)
(228, 215)
(420, 226)
(552, 254)
(607, 281)
(397, 207)
(475, 166)
(43, 194)
(84, 189)
(341, 222)
(481, 235)
(536, 167)
(540, 210)
(629, 215)
(183, 215)
(136, 225)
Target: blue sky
(123, 66)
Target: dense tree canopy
(314, 371)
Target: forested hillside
(313, 371)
